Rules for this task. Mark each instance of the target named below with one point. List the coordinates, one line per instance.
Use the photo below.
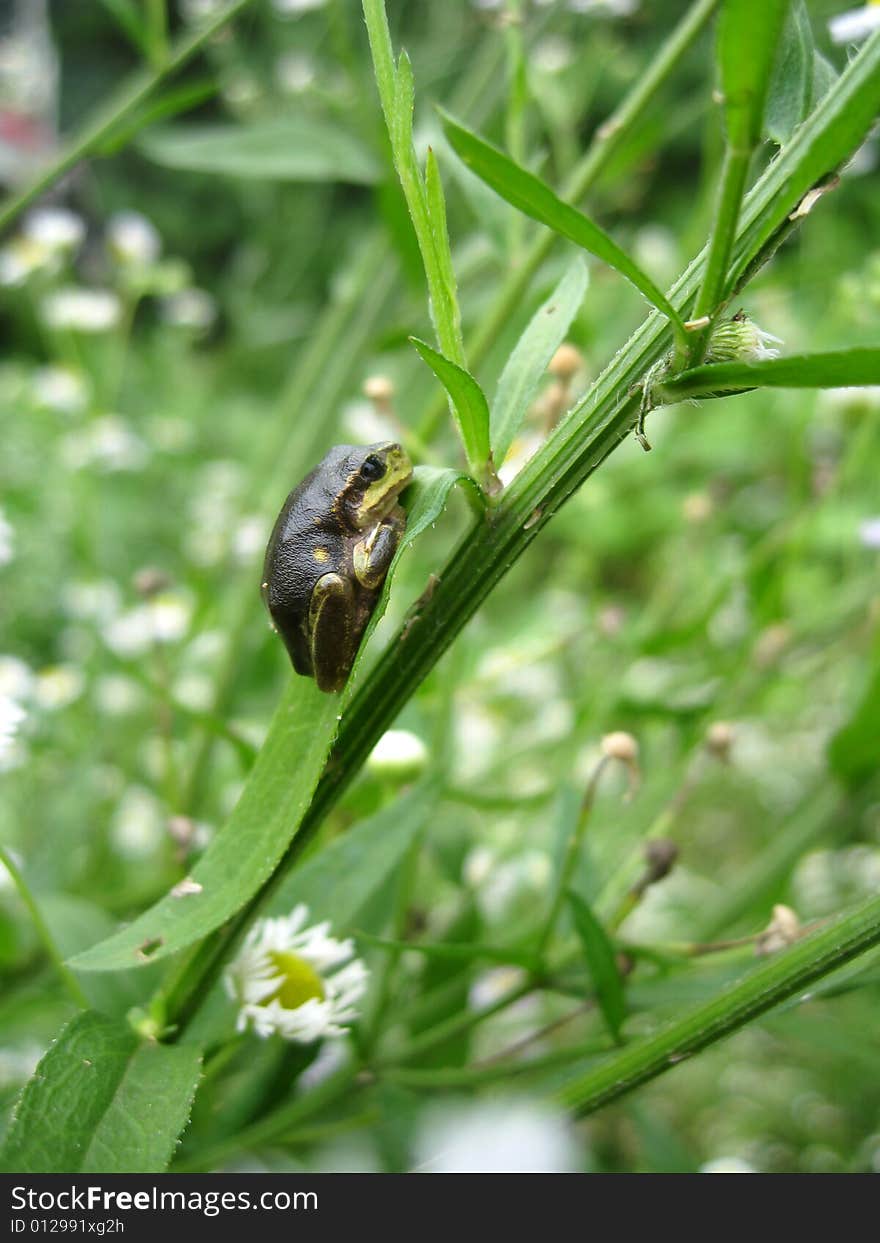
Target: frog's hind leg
(331, 625)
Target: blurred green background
(150, 432)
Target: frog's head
(376, 475)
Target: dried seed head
(566, 362)
(661, 854)
(719, 739)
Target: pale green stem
(780, 977)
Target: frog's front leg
(375, 552)
(331, 631)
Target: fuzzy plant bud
(398, 756)
(623, 748)
(740, 340)
(719, 739)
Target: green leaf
(602, 964)
(790, 96)
(294, 148)
(129, 20)
(531, 356)
(247, 849)
(404, 103)
(838, 369)
(529, 194)
(102, 1101)
(439, 232)
(468, 399)
(748, 34)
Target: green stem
(120, 106)
(730, 195)
(608, 139)
(779, 978)
(68, 979)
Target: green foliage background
(729, 576)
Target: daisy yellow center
(301, 981)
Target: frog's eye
(373, 468)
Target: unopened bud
(623, 747)
(379, 389)
(719, 739)
(783, 930)
(150, 581)
(740, 340)
(398, 755)
(661, 854)
(696, 507)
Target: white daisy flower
(133, 240)
(82, 310)
(60, 389)
(107, 443)
(58, 686)
(855, 24)
(296, 982)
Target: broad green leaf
(839, 369)
(467, 397)
(529, 194)
(748, 34)
(294, 148)
(602, 965)
(531, 356)
(247, 849)
(102, 1101)
(790, 96)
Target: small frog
(328, 555)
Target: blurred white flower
(19, 259)
(17, 1065)
(855, 24)
(54, 229)
(295, 8)
(194, 691)
(16, 678)
(107, 443)
(249, 538)
(869, 533)
(133, 240)
(163, 619)
(399, 754)
(849, 400)
(296, 982)
(60, 389)
(515, 1136)
(76, 308)
(12, 716)
(138, 826)
(294, 72)
(727, 1165)
(117, 695)
(490, 986)
(552, 54)
(189, 308)
(523, 448)
(197, 11)
(96, 600)
(58, 686)
(502, 886)
(656, 250)
(365, 424)
(7, 540)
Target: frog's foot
(374, 554)
(331, 627)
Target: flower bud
(566, 362)
(719, 739)
(398, 756)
